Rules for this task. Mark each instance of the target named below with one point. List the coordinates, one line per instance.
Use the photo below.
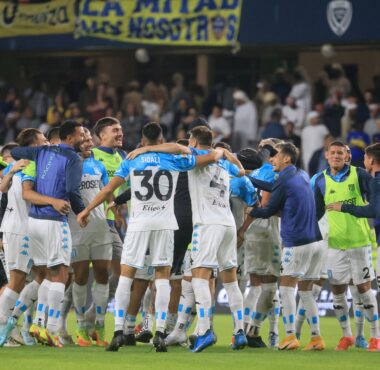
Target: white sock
(79, 299)
(129, 325)
(274, 314)
(235, 301)
(289, 308)
(370, 307)
(342, 314)
(311, 308)
(55, 299)
(358, 310)
(203, 303)
(42, 303)
(161, 302)
(185, 305)
(250, 303)
(101, 293)
(7, 303)
(122, 297)
(146, 302)
(65, 309)
(27, 298)
(28, 318)
(171, 321)
(264, 304)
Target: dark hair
(373, 151)
(184, 142)
(152, 131)
(337, 143)
(27, 136)
(202, 134)
(250, 159)
(223, 145)
(8, 147)
(53, 133)
(290, 150)
(199, 121)
(276, 115)
(68, 128)
(104, 122)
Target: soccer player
(92, 244)
(350, 210)
(17, 297)
(151, 225)
(214, 235)
(349, 255)
(301, 255)
(58, 176)
(110, 134)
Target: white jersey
(209, 188)
(15, 218)
(153, 178)
(94, 178)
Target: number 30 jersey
(153, 178)
(210, 192)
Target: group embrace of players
(196, 213)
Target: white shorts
(147, 273)
(159, 242)
(17, 252)
(262, 258)
(302, 262)
(355, 264)
(50, 242)
(214, 246)
(187, 264)
(91, 246)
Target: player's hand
(82, 218)
(334, 207)
(134, 153)
(19, 165)
(240, 238)
(61, 206)
(119, 219)
(219, 154)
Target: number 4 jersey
(153, 178)
(210, 192)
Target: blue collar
(65, 146)
(287, 170)
(340, 175)
(106, 149)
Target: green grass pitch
(218, 357)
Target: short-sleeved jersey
(210, 192)
(94, 178)
(153, 178)
(111, 160)
(16, 214)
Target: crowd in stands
(286, 106)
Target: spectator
(132, 95)
(333, 115)
(219, 125)
(60, 104)
(38, 99)
(281, 87)
(270, 101)
(312, 137)
(301, 90)
(357, 140)
(370, 126)
(291, 136)
(291, 112)
(376, 137)
(27, 120)
(245, 121)
(338, 82)
(318, 161)
(180, 114)
(98, 107)
(349, 119)
(274, 128)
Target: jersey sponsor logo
(217, 203)
(111, 173)
(90, 184)
(349, 201)
(147, 207)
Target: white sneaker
(176, 337)
(11, 343)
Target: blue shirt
(242, 188)
(292, 195)
(319, 185)
(58, 175)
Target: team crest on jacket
(339, 16)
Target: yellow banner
(166, 22)
(55, 17)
